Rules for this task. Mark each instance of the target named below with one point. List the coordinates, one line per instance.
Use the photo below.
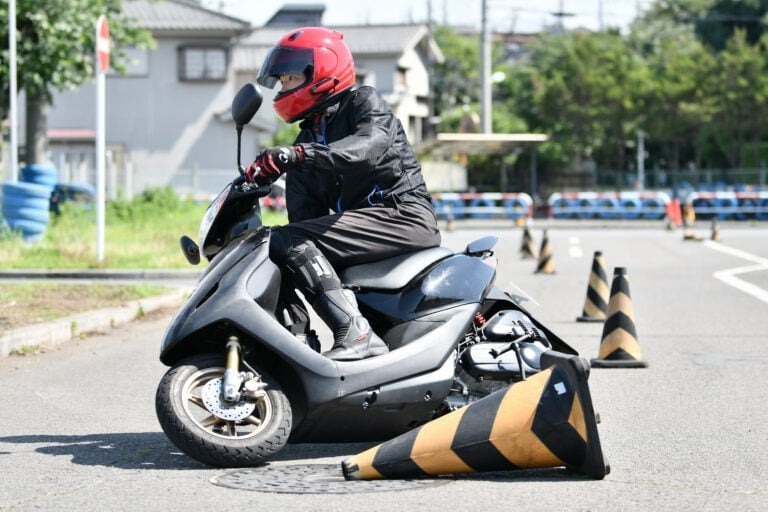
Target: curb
(107, 275)
(56, 332)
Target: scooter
(246, 373)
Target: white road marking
(574, 247)
(728, 276)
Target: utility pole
(485, 72)
(560, 14)
(641, 160)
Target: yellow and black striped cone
(546, 421)
(715, 230)
(619, 347)
(546, 264)
(596, 303)
(527, 248)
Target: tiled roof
(181, 16)
(382, 39)
(361, 39)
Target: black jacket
(364, 157)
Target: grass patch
(139, 234)
(24, 304)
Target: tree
(742, 93)
(585, 92)
(678, 102)
(456, 81)
(56, 41)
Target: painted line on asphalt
(728, 276)
(574, 247)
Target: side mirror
(190, 249)
(246, 103)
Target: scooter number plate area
(211, 395)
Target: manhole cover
(312, 479)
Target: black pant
(360, 236)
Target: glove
(273, 162)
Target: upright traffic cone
(689, 218)
(715, 230)
(545, 421)
(596, 303)
(546, 263)
(674, 214)
(527, 248)
(619, 347)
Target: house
(168, 119)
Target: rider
(354, 193)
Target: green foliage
(286, 135)
(141, 233)
(56, 41)
(456, 81)
(691, 75)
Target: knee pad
(283, 245)
(310, 270)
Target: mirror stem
(239, 137)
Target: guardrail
(729, 205)
(608, 205)
(483, 206)
(601, 205)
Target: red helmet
(321, 55)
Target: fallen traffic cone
(715, 230)
(619, 347)
(596, 303)
(545, 421)
(690, 235)
(546, 263)
(527, 248)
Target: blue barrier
(762, 209)
(631, 208)
(515, 208)
(586, 208)
(609, 208)
(482, 206)
(620, 205)
(653, 208)
(476, 210)
(729, 205)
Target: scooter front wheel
(201, 424)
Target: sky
(521, 16)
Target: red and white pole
(102, 65)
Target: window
(203, 63)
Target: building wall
(172, 132)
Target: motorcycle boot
(353, 336)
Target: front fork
(236, 384)
(233, 377)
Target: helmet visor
(281, 60)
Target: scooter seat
(392, 273)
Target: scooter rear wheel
(198, 422)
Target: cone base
(589, 319)
(617, 363)
(595, 464)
